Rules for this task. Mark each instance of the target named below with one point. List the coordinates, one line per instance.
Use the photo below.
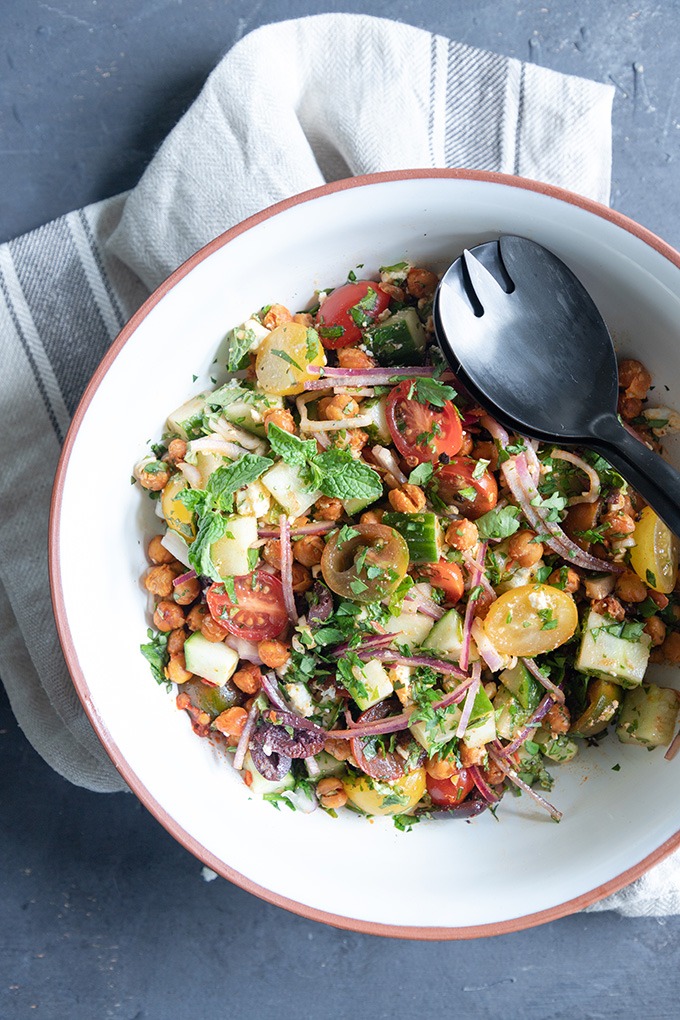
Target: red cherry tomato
(421, 430)
(462, 484)
(447, 576)
(347, 311)
(449, 792)
(257, 612)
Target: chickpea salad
(373, 597)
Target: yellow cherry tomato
(654, 557)
(178, 516)
(531, 619)
(284, 358)
(379, 797)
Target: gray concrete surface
(102, 914)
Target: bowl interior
(442, 874)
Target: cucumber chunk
(399, 340)
(213, 660)
(648, 716)
(243, 406)
(413, 628)
(378, 430)
(327, 766)
(559, 748)
(422, 532)
(285, 483)
(370, 684)
(446, 637)
(510, 715)
(230, 553)
(604, 698)
(187, 420)
(605, 653)
(522, 685)
(480, 730)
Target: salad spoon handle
(647, 471)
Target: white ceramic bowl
(444, 879)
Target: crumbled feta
(300, 699)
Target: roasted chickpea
(407, 499)
(421, 283)
(232, 722)
(176, 641)
(462, 534)
(558, 719)
(629, 407)
(211, 630)
(187, 591)
(353, 357)
(524, 549)
(372, 517)
(176, 670)
(248, 678)
(157, 552)
(471, 755)
(159, 580)
(308, 550)
(281, 417)
(566, 579)
(331, 792)
(671, 647)
(277, 316)
(339, 749)
(168, 616)
(630, 588)
(273, 653)
(328, 508)
(656, 629)
(154, 476)
(634, 378)
(302, 579)
(195, 617)
(177, 451)
(440, 768)
(342, 405)
(271, 553)
(304, 318)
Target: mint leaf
(499, 523)
(223, 482)
(240, 340)
(421, 474)
(212, 525)
(292, 450)
(285, 356)
(343, 477)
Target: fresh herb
(404, 823)
(335, 472)
(331, 332)
(651, 578)
(156, 654)
(480, 468)
(421, 474)
(277, 799)
(285, 356)
(500, 522)
(240, 340)
(431, 391)
(360, 313)
(616, 768)
(292, 450)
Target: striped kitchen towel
(389, 96)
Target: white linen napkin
(276, 117)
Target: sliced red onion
(514, 778)
(424, 604)
(357, 377)
(556, 693)
(525, 492)
(270, 686)
(287, 570)
(489, 795)
(367, 646)
(476, 572)
(440, 665)
(469, 560)
(244, 739)
(488, 651)
(544, 707)
(593, 491)
(469, 701)
(314, 528)
(533, 463)
(393, 724)
(184, 577)
(673, 747)
(455, 697)
(495, 430)
(468, 808)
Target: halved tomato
(445, 575)
(257, 610)
(348, 310)
(421, 430)
(452, 791)
(468, 484)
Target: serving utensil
(526, 339)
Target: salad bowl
(446, 878)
